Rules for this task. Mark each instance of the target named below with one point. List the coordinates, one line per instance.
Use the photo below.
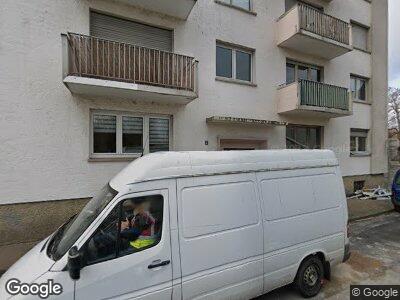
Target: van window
(134, 225)
(67, 234)
(215, 208)
(288, 197)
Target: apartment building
(89, 85)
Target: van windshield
(64, 238)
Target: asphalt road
(375, 259)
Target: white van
(197, 225)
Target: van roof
(162, 165)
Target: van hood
(28, 268)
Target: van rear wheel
(309, 277)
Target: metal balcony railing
(111, 60)
(317, 22)
(323, 95)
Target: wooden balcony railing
(323, 95)
(99, 58)
(317, 22)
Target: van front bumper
(347, 253)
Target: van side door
(220, 237)
(129, 253)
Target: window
(360, 37)
(297, 71)
(133, 226)
(123, 134)
(358, 88)
(234, 63)
(67, 235)
(303, 137)
(358, 141)
(104, 134)
(132, 134)
(243, 4)
(289, 4)
(159, 134)
(224, 62)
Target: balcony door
(303, 137)
(126, 31)
(296, 71)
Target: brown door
(242, 144)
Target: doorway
(242, 144)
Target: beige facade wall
(44, 129)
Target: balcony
(175, 8)
(308, 30)
(314, 99)
(96, 67)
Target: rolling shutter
(159, 134)
(112, 28)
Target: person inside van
(139, 222)
(138, 229)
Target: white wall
(44, 130)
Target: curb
(371, 216)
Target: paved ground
(375, 246)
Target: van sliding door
(220, 235)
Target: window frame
(357, 137)
(358, 78)
(118, 206)
(298, 64)
(234, 49)
(229, 3)
(119, 142)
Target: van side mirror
(75, 259)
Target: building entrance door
(242, 144)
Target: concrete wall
(23, 225)
(44, 130)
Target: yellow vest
(142, 243)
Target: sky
(394, 43)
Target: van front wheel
(309, 277)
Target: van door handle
(159, 263)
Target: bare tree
(394, 109)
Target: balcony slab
(290, 104)
(100, 88)
(297, 31)
(313, 44)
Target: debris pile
(372, 194)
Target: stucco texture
(44, 129)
